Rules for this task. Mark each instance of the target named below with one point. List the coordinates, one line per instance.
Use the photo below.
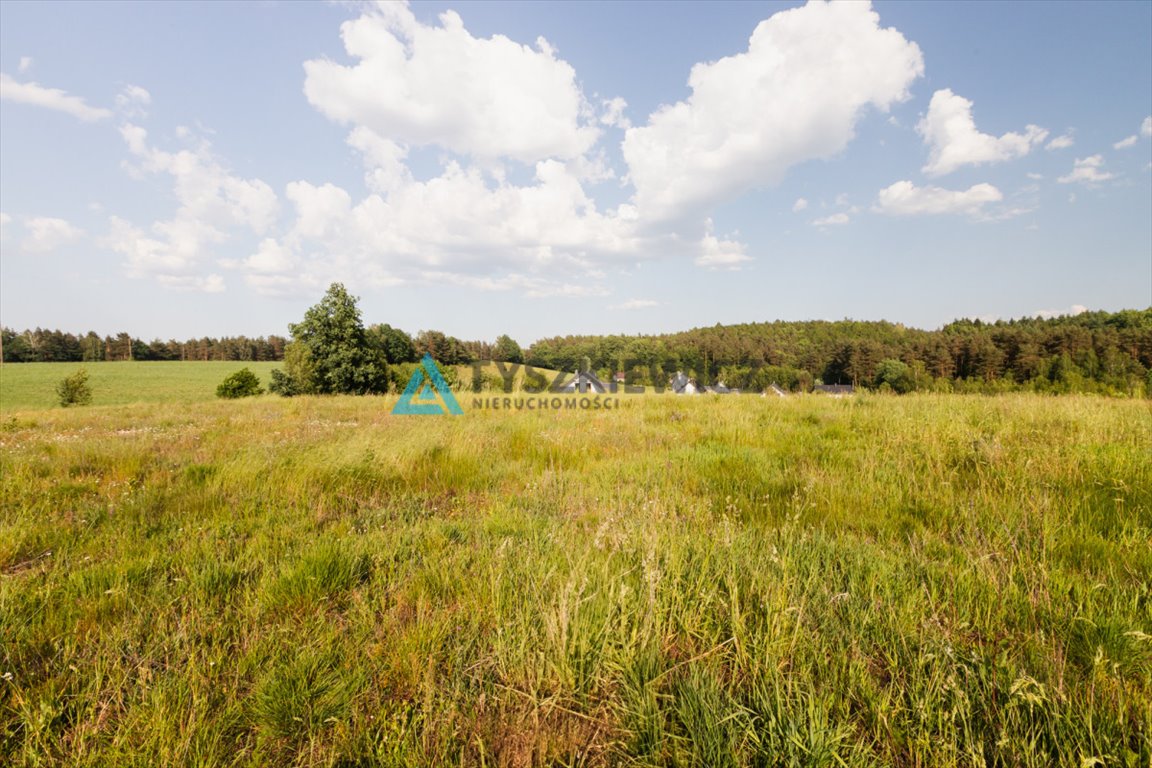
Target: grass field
(742, 581)
(33, 385)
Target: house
(774, 389)
(682, 385)
(836, 390)
(721, 389)
(585, 381)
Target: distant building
(838, 390)
(682, 385)
(585, 381)
(721, 389)
(774, 389)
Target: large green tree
(340, 359)
(396, 345)
(507, 350)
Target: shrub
(282, 384)
(74, 389)
(243, 383)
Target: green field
(743, 581)
(33, 385)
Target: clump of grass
(302, 695)
(323, 573)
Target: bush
(74, 390)
(896, 375)
(282, 384)
(243, 383)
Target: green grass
(25, 386)
(873, 581)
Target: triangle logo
(427, 394)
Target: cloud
(1061, 142)
(423, 85)
(799, 205)
(46, 234)
(1087, 171)
(613, 114)
(633, 304)
(906, 199)
(1046, 314)
(754, 115)
(25, 64)
(466, 224)
(950, 132)
(1145, 131)
(542, 238)
(215, 206)
(49, 98)
(836, 219)
(133, 101)
(270, 258)
(536, 230)
(720, 254)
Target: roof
(682, 385)
(585, 381)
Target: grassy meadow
(33, 385)
(873, 581)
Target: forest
(1103, 352)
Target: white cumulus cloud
(542, 238)
(950, 132)
(834, 220)
(1087, 171)
(906, 199)
(44, 234)
(799, 205)
(478, 220)
(1061, 142)
(214, 207)
(49, 98)
(419, 85)
(613, 114)
(1130, 141)
(716, 253)
(754, 115)
(133, 101)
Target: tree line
(1106, 352)
(45, 346)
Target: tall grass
(916, 581)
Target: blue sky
(536, 169)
